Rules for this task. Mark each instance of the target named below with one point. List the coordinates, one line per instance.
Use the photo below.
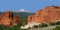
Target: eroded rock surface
(48, 14)
(8, 19)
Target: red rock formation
(16, 20)
(48, 14)
(7, 18)
(29, 19)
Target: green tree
(35, 26)
(58, 23)
(52, 23)
(44, 25)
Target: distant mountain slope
(0, 12)
(23, 16)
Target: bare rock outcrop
(48, 14)
(16, 20)
(8, 19)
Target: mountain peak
(22, 10)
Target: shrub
(44, 25)
(39, 25)
(57, 28)
(58, 23)
(52, 23)
(35, 26)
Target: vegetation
(58, 23)
(57, 28)
(35, 26)
(10, 28)
(39, 25)
(23, 18)
(44, 25)
(52, 23)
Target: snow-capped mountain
(23, 10)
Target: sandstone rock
(8, 17)
(16, 20)
(48, 14)
(29, 19)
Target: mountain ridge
(23, 10)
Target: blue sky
(30, 5)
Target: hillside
(23, 16)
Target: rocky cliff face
(8, 19)
(48, 14)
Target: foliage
(39, 25)
(58, 23)
(52, 23)
(57, 28)
(35, 26)
(44, 25)
(23, 16)
(9, 28)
